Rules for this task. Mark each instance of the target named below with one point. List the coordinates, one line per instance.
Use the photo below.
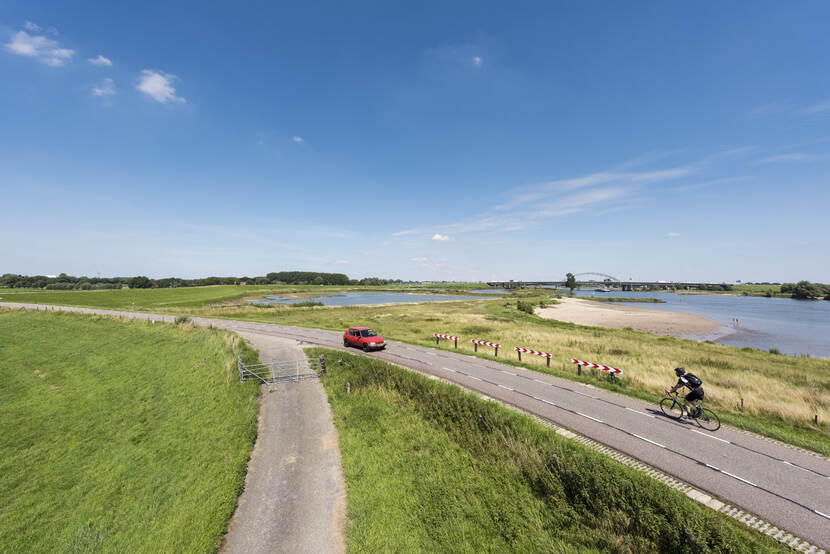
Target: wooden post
(456, 343)
(579, 369)
(548, 361)
(348, 388)
(519, 352)
(475, 347)
(436, 339)
(497, 352)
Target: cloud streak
(105, 88)
(100, 61)
(40, 48)
(159, 86)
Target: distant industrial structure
(609, 282)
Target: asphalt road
(782, 485)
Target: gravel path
(295, 496)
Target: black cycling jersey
(684, 382)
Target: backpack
(693, 380)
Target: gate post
(240, 367)
(322, 364)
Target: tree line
(70, 282)
(805, 290)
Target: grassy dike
(119, 436)
(429, 467)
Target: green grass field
(119, 436)
(430, 468)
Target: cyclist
(694, 384)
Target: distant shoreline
(606, 314)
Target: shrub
(305, 304)
(182, 319)
(523, 306)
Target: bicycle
(704, 417)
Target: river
(792, 326)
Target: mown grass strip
(119, 436)
(429, 467)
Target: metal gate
(282, 371)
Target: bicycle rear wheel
(708, 419)
(672, 408)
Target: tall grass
(119, 436)
(430, 468)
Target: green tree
(570, 282)
(805, 290)
(140, 282)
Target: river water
(792, 326)
(354, 298)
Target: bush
(524, 306)
(306, 304)
(774, 351)
(182, 319)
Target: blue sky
(430, 140)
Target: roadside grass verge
(429, 468)
(119, 436)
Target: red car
(363, 337)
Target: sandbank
(661, 322)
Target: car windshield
(368, 333)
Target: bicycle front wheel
(672, 408)
(708, 419)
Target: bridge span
(614, 284)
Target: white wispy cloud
(159, 86)
(105, 88)
(100, 61)
(341, 262)
(418, 260)
(476, 60)
(440, 237)
(40, 48)
(673, 234)
(821, 107)
(32, 26)
(793, 157)
(298, 140)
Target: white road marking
(540, 381)
(513, 374)
(710, 436)
(647, 440)
(639, 412)
(822, 514)
(589, 417)
(739, 478)
(547, 402)
(508, 388)
(473, 377)
(448, 369)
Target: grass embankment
(430, 468)
(119, 436)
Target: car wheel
(345, 343)
(365, 347)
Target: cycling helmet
(679, 371)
